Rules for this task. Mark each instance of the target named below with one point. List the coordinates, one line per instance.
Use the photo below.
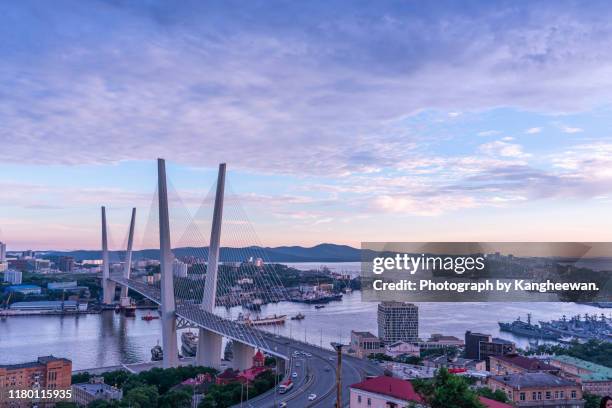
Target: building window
(369, 402)
(359, 399)
(548, 395)
(556, 394)
(561, 394)
(533, 396)
(573, 394)
(522, 396)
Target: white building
(179, 269)
(84, 394)
(13, 277)
(3, 265)
(400, 348)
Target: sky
(339, 121)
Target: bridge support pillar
(243, 356)
(168, 305)
(108, 287)
(108, 291)
(209, 349)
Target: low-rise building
(594, 378)
(538, 389)
(364, 344)
(454, 363)
(13, 277)
(46, 372)
(85, 393)
(400, 348)
(516, 364)
(24, 289)
(437, 341)
(384, 392)
(390, 392)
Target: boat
(157, 354)
(298, 316)
(148, 317)
(319, 306)
(527, 329)
(189, 344)
(261, 321)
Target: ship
(527, 329)
(261, 321)
(189, 344)
(298, 316)
(157, 354)
(590, 327)
(148, 317)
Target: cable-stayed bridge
(190, 300)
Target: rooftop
(392, 387)
(526, 363)
(598, 372)
(533, 380)
(40, 361)
(489, 403)
(363, 334)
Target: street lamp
(338, 348)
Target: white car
(283, 404)
(312, 397)
(294, 375)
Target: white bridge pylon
(212, 328)
(108, 286)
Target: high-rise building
(472, 344)
(66, 263)
(179, 269)
(398, 321)
(13, 277)
(2, 252)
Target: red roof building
(489, 403)
(382, 392)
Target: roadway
(315, 366)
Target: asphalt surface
(315, 367)
(316, 374)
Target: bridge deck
(193, 314)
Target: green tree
(591, 401)
(175, 399)
(104, 404)
(65, 404)
(116, 378)
(447, 390)
(80, 378)
(142, 397)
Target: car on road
(283, 404)
(331, 359)
(312, 397)
(308, 354)
(297, 364)
(294, 375)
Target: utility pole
(338, 348)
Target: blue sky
(340, 121)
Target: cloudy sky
(340, 121)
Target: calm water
(108, 339)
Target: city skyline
(338, 124)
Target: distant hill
(318, 253)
